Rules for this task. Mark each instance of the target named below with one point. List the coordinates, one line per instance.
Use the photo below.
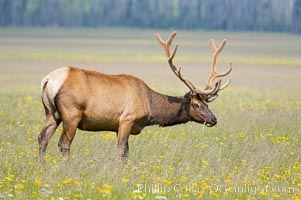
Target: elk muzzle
(211, 122)
(209, 118)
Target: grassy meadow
(254, 152)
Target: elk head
(197, 99)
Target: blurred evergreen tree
(296, 17)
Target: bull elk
(124, 104)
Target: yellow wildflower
(124, 180)
(67, 181)
(185, 195)
(38, 182)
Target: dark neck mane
(167, 110)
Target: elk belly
(90, 123)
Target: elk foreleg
(123, 134)
(66, 139)
(68, 133)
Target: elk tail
(48, 102)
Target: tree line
(259, 15)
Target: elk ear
(187, 97)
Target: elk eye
(196, 105)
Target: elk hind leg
(47, 132)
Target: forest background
(238, 15)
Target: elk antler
(214, 74)
(177, 71)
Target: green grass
(252, 153)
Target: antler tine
(166, 45)
(177, 71)
(225, 85)
(212, 90)
(214, 74)
(220, 48)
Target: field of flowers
(253, 152)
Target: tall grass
(252, 153)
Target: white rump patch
(55, 80)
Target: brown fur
(124, 104)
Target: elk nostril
(213, 120)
